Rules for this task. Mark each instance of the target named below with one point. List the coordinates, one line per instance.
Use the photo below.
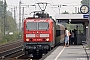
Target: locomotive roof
(40, 19)
(36, 18)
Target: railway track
(10, 46)
(17, 53)
(13, 51)
(10, 52)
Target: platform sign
(86, 16)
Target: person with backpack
(67, 34)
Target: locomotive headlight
(47, 39)
(27, 39)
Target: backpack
(69, 33)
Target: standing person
(75, 36)
(72, 37)
(66, 37)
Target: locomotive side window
(43, 26)
(31, 26)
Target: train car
(60, 33)
(39, 35)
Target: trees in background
(85, 2)
(65, 12)
(11, 25)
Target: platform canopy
(72, 18)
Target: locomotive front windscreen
(37, 25)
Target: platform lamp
(69, 23)
(87, 34)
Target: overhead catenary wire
(53, 9)
(45, 7)
(37, 0)
(52, 3)
(67, 4)
(71, 2)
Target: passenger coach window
(31, 26)
(43, 26)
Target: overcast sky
(16, 2)
(71, 4)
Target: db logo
(37, 35)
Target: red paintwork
(37, 35)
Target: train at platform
(41, 33)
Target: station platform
(87, 50)
(73, 52)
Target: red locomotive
(41, 34)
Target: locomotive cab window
(43, 26)
(31, 26)
(37, 26)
